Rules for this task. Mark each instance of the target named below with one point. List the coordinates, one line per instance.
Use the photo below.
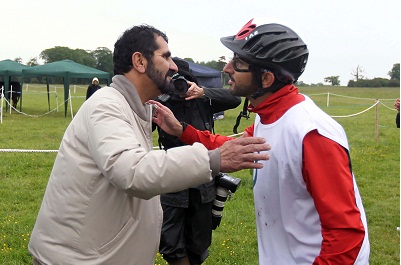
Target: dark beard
(241, 91)
(165, 86)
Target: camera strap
(205, 113)
(243, 114)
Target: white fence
(375, 104)
(11, 108)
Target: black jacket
(91, 89)
(199, 113)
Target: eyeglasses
(239, 64)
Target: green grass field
(375, 153)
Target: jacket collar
(130, 93)
(277, 104)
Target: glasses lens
(239, 64)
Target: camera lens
(180, 85)
(226, 185)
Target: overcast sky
(340, 34)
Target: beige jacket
(101, 204)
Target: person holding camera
(102, 203)
(187, 215)
(307, 203)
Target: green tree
(104, 59)
(334, 80)
(301, 83)
(18, 60)
(33, 61)
(221, 63)
(375, 82)
(55, 54)
(83, 57)
(59, 53)
(189, 60)
(395, 72)
(211, 64)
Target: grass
(374, 152)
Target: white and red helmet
(270, 45)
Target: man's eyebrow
(166, 54)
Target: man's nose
(228, 67)
(173, 66)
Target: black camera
(180, 85)
(226, 185)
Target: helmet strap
(257, 74)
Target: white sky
(340, 34)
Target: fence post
(328, 99)
(72, 113)
(55, 91)
(377, 121)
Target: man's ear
(267, 79)
(139, 62)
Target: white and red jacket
(308, 207)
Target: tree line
(102, 59)
(361, 81)
(394, 80)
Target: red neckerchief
(277, 104)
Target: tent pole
(1, 109)
(11, 96)
(7, 89)
(48, 91)
(66, 93)
(20, 96)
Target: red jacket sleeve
(209, 140)
(249, 130)
(328, 177)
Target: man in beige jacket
(101, 204)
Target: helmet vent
(244, 33)
(246, 30)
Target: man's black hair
(137, 39)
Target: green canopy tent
(9, 68)
(66, 69)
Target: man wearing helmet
(307, 204)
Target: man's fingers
(251, 165)
(250, 140)
(252, 148)
(250, 144)
(243, 153)
(256, 156)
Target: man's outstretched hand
(243, 153)
(237, 154)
